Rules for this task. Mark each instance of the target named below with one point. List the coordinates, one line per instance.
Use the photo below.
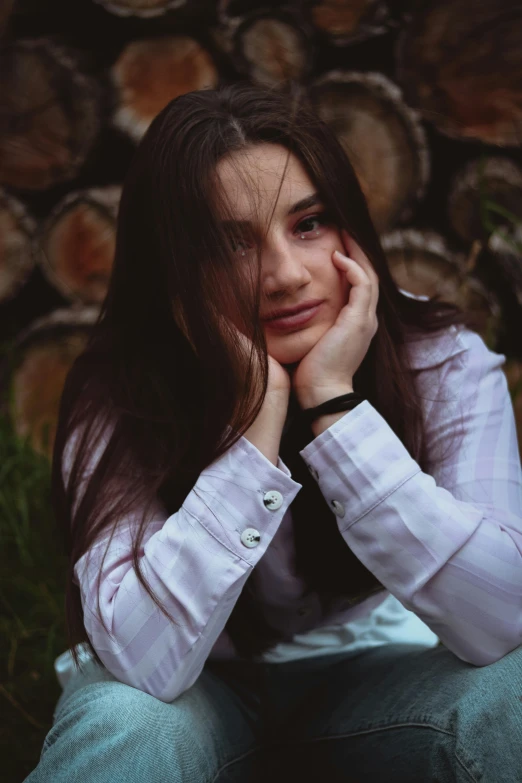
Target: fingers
(355, 252)
(360, 297)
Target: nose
(284, 264)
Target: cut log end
(151, 73)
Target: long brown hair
(159, 403)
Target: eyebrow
(305, 203)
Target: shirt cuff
(359, 458)
(242, 489)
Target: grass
(32, 618)
(494, 216)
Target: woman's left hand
(328, 368)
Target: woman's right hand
(266, 431)
(278, 378)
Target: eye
(312, 223)
(241, 244)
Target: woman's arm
(447, 544)
(266, 431)
(196, 562)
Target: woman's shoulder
(427, 350)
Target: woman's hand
(266, 430)
(328, 368)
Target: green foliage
(493, 216)
(32, 620)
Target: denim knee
(488, 718)
(108, 731)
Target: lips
(295, 321)
(291, 311)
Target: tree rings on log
(485, 194)
(344, 22)
(50, 115)
(422, 263)
(17, 256)
(384, 140)
(150, 73)
(144, 8)
(44, 354)
(77, 243)
(460, 65)
(271, 47)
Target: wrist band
(343, 403)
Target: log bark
(45, 353)
(17, 246)
(49, 114)
(271, 47)
(229, 10)
(460, 64)
(423, 263)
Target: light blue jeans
(393, 714)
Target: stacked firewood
(425, 97)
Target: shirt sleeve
(196, 561)
(446, 543)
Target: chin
(291, 355)
(287, 359)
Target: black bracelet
(343, 403)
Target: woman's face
(296, 253)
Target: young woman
(335, 594)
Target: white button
(250, 537)
(273, 499)
(338, 508)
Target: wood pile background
(426, 97)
